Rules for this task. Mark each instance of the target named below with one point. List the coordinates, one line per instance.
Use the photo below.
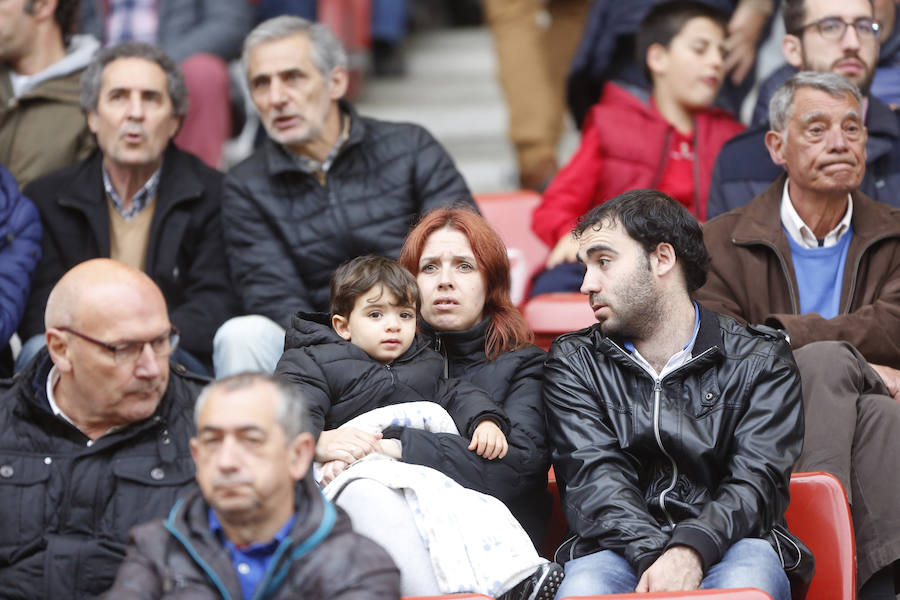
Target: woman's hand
(331, 470)
(347, 444)
(488, 441)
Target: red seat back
(820, 516)
(551, 315)
(510, 216)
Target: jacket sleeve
(299, 368)
(754, 492)
(873, 329)
(208, 297)
(221, 30)
(719, 293)
(573, 190)
(138, 577)
(469, 406)
(20, 251)
(602, 500)
(521, 471)
(263, 272)
(437, 180)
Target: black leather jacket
(700, 458)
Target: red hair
(508, 329)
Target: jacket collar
(188, 522)
(760, 220)
(706, 349)
(86, 191)
(458, 344)
(280, 160)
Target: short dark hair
(795, 15)
(651, 218)
(65, 15)
(92, 78)
(357, 276)
(665, 21)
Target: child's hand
(488, 441)
(332, 469)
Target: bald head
(93, 286)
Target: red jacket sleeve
(573, 191)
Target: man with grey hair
(826, 36)
(817, 258)
(139, 200)
(326, 186)
(258, 527)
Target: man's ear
(92, 117)
(657, 59)
(665, 258)
(792, 48)
(775, 145)
(301, 450)
(338, 81)
(58, 347)
(342, 326)
(43, 9)
(195, 445)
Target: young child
(668, 140)
(367, 356)
(366, 359)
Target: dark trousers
(853, 432)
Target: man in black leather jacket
(674, 428)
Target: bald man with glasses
(93, 434)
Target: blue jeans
(249, 343)
(389, 20)
(751, 562)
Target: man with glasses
(93, 434)
(836, 36)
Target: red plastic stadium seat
(551, 315)
(556, 527)
(819, 515)
(351, 23)
(735, 594)
(510, 216)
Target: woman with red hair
(462, 270)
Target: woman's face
(450, 282)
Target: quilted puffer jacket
(340, 381)
(286, 233)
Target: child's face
(377, 325)
(690, 70)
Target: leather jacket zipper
(657, 389)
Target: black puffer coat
(65, 507)
(180, 558)
(513, 381)
(701, 458)
(286, 233)
(340, 381)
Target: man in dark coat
(259, 527)
(93, 434)
(139, 200)
(673, 427)
(326, 186)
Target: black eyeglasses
(833, 28)
(128, 352)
